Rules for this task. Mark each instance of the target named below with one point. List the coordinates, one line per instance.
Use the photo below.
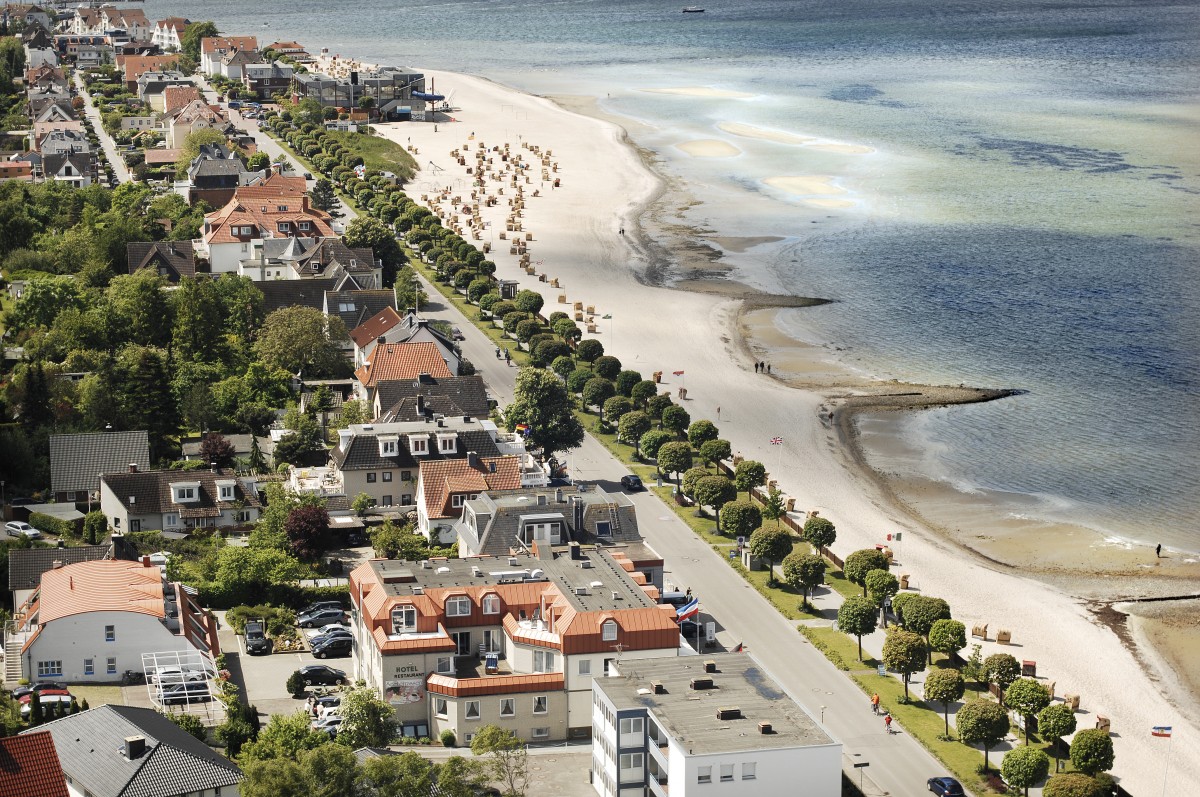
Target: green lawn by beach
(378, 153)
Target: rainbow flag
(522, 429)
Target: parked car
(44, 695)
(40, 686)
(339, 633)
(690, 629)
(256, 637)
(321, 617)
(318, 606)
(64, 700)
(321, 675)
(676, 599)
(327, 629)
(946, 787)
(336, 647)
(189, 692)
(325, 705)
(328, 725)
(17, 528)
(177, 675)
(632, 483)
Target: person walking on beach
(768, 368)
(875, 703)
(718, 412)
(756, 365)
(1158, 551)
(887, 723)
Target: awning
(427, 96)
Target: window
(447, 444)
(371, 478)
(748, 771)
(418, 445)
(491, 604)
(304, 225)
(439, 707)
(110, 633)
(285, 227)
(406, 475)
(89, 666)
(541, 704)
(458, 606)
(282, 208)
(445, 664)
(387, 474)
(111, 665)
(608, 631)
(585, 667)
(170, 520)
(726, 773)
(632, 761)
(508, 707)
(541, 733)
(472, 712)
(543, 661)
(633, 725)
(243, 516)
(404, 618)
(385, 500)
(135, 525)
(603, 528)
(704, 774)
(388, 448)
(185, 494)
(226, 492)
(406, 499)
(45, 668)
(456, 501)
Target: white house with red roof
(91, 621)
(168, 33)
(388, 361)
(214, 48)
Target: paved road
(899, 765)
(120, 172)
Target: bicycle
(133, 677)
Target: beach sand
(709, 148)
(716, 331)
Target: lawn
(378, 153)
(98, 695)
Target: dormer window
(608, 631)
(304, 225)
(389, 445)
(404, 619)
(285, 226)
(418, 444)
(225, 490)
(491, 604)
(281, 208)
(458, 606)
(447, 443)
(185, 492)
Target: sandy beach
(572, 233)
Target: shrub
(295, 684)
(48, 524)
(607, 366)
(447, 738)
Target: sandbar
(782, 137)
(702, 91)
(709, 148)
(805, 184)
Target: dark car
(318, 606)
(946, 787)
(40, 686)
(320, 639)
(632, 482)
(335, 647)
(256, 637)
(319, 674)
(187, 692)
(690, 629)
(321, 617)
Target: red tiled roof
(370, 330)
(138, 65)
(264, 210)
(495, 684)
(29, 766)
(103, 585)
(175, 97)
(444, 478)
(403, 361)
(212, 44)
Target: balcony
(321, 482)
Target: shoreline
(710, 338)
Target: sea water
(1001, 194)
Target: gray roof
(25, 566)
(690, 715)
(363, 453)
(81, 161)
(415, 399)
(291, 293)
(178, 257)
(77, 459)
(91, 748)
(362, 305)
(240, 442)
(151, 492)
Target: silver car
(17, 528)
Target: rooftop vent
(765, 728)
(581, 590)
(700, 684)
(729, 713)
(418, 590)
(659, 687)
(475, 571)
(586, 564)
(133, 467)
(135, 747)
(616, 595)
(512, 561)
(424, 564)
(710, 666)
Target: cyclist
(887, 723)
(875, 703)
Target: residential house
(89, 622)
(444, 486)
(385, 85)
(175, 98)
(722, 728)
(213, 48)
(37, 101)
(370, 332)
(215, 175)
(89, 56)
(77, 460)
(40, 56)
(24, 15)
(135, 66)
(354, 307)
(139, 123)
(382, 460)
(278, 293)
(305, 258)
(241, 447)
(406, 400)
(29, 766)
(123, 751)
(265, 80)
(26, 565)
(71, 47)
(168, 33)
(233, 64)
(46, 77)
(514, 641)
(196, 115)
(151, 85)
(390, 361)
(131, 20)
(76, 168)
(59, 111)
(414, 329)
(176, 502)
(86, 21)
(293, 50)
(58, 136)
(16, 170)
(37, 36)
(172, 260)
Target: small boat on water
(693, 10)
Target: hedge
(216, 596)
(48, 524)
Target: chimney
(56, 564)
(659, 687)
(473, 460)
(212, 466)
(420, 404)
(710, 666)
(700, 684)
(135, 747)
(382, 339)
(145, 561)
(133, 467)
(558, 496)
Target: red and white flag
(677, 373)
(776, 441)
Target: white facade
(65, 648)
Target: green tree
(984, 723)
(1054, 722)
(392, 541)
(529, 301)
(1027, 697)
(190, 723)
(242, 306)
(302, 340)
(904, 652)
(700, 432)
(714, 491)
(195, 33)
(856, 617)
(197, 334)
(274, 778)
(578, 378)
(607, 366)
(616, 407)
(142, 306)
(740, 519)
(947, 636)
(802, 571)
(367, 720)
(204, 136)
(772, 543)
(542, 403)
(284, 736)
(353, 412)
(95, 527)
(653, 440)
(1000, 669)
(921, 612)
(713, 451)
(1092, 751)
(631, 428)
(674, 458)
(330, 770)
(1025, 767)
(295, 684)
(656, 405)
(302, 444)
(749, 474)
(1073, 784)
(626, 381)
(145, 397)
(819, 532)
(643, 391)
(43, 300)
(945, 686)
(859, 563)
(675, 419)
(507, 756)
(588, 350)
(368, 233)
(881, 585)
(690, 476)
(597, 391)
(404, 775)
(973, 669)
(773, 508)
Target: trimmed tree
(1025, 767)
(1000, 669)
(1073, 784)
(857, 616)
(597, 391)
(631, 428)
(714, 491)
(881, 585)
(95, 527)
(921, 612)
(653, 440)
(588, 350)
(1092, 751)
(690, 476)
(1027, 697)
(700, 432)
(945, 686)
(713, 451)
(643, 391)
(819, 532)
(616, 407)
(984, 723)
(675, 458)
(859, 563)
(772, 543)
(749, 474)
(1054, 722)
(607, 366)
(740, 519)
(904, 652)
(675, 419)
(802, 571)
(947, 636)
(625, 382)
